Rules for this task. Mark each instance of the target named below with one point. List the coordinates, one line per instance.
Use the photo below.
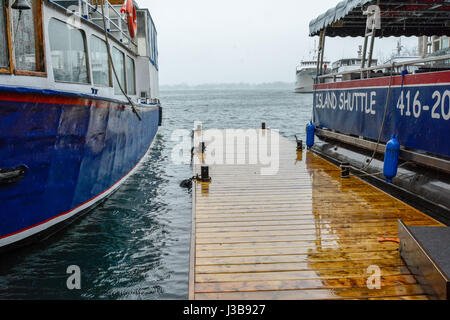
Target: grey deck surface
(437, 242)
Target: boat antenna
(399, 47)
(133, 106)
(315, 50)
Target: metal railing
(403, 65)
(90, 10)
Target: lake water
(136, 245)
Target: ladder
(373, 18)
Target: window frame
(124, 64)
(39, 39)
(86, 51)
(127, 56)
(8, 42)
(110, 72)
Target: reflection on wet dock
(303, 233)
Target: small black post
(205, 174)
(202, 147)
(345, 170)
(299, 145)
(263, 126)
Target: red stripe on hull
(56, 99)
(412, 79)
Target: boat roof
(398, 18)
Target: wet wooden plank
(308, 237)
(293, 216)
(312, 221)
(297, 275)
(272, 267)
(332, 255)
(290, 251)
(345, 246)
(269, 233)
(294, 226)
(317, 294)
(303, 233)
(418, 297)
(305, 284)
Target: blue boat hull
(418, 110)
(78, 150)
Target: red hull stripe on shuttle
(57, 99)
(412, 79)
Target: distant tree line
(230, 86)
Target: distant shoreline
(230, 86)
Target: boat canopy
(398, 18)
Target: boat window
(444, 43)
(150, 34)
(4, 54)
(152, 37)
(131, 74)
(68, 52)
(99, 62)
(119, 64)
(437, 46)
(154, 44)
(28, 48)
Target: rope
(133, 106)
(384, 119)
(17, 27)
(373, 174)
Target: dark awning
(398, 18)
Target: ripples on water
(136, 245)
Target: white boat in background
(349, 64)
(305, 74)
(398, 58)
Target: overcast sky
(212, 41)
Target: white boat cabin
(60, 45)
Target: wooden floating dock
(304, 233)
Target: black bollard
(263, 126)
(345, 170)
(204, 177)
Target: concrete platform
(426, 251)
